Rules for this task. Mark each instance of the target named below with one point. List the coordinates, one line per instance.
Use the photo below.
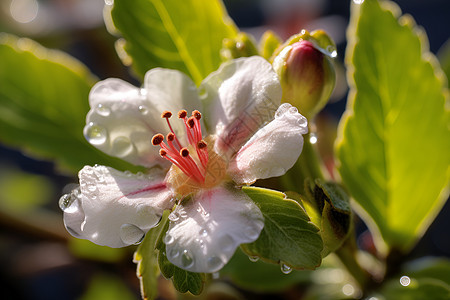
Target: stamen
(162, 152)
(157, 139)
(202, 152)
(182, 114)
(170, 136)
(184, 152)
(166, 114)
(196, 114)
(191, 122)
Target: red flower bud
(307, 76)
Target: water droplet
(405, 280)
(358, 1)
(214, 262)
(173, 253)
(253, 258)
(348, 289)
(282, 110)
(226, 243)
(122, 146)
(92, 188)
(252, 232)
(140, 175)
(68, 203)
(285, 268)
(103, 110)
(203, 232)
(186, 260)
(169, 239)
(293, 110)
(128, 173)
(215, 275)
(143, 109)
(203, 93)
(131, 234)
(143, 92)
(174, 216)
(332, 51)
(95, 134)
(313, 138)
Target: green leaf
(429, 267)
(103, 286)
(146, 258)
(333, 205)
(417, 289)
(288, 236)
(183, 281)
(393, 140)
(259, 276)
(183, 35)
(43, 104)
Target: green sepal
(269, 43)
(243, 45)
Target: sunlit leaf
(394, 138)
(43, 104)
(183, 35)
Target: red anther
(191, 122)
(196, 114)
(162, 152)
(201, 144)
(166, 114)
(170, 136)
(184, 152)
(157, 139)
(182, 114)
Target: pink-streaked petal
(118, 207)
(240, 97)
(124, 118)
(122, 122)
(273, 149)
(205, 231)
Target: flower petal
(241, 96)
(205, 231)
(273, 149)
(124, 118)
(119, 208)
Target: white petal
(273, 149)
(119, 208)
(241, 96)
(124, 118)
(204, 232)
(121, 122)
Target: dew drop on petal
(282, 110)
(253, 258)
(143, 92)
(285, 268)
(131, 234)
(128, 173)
(173, 253)
(186, 259)
(293, 110)
(203, 233)
(92, 188)
(122, 146)
(95, 134)
(169, 239)
(103, 110)
(68, 203)
(143, 109)
(226, 243)
(214, 262)
(251, 232)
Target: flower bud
(307, 75)
(243, 45)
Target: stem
(307, 166)
(347, 255)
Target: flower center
(194, 166)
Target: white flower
(242, 136)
